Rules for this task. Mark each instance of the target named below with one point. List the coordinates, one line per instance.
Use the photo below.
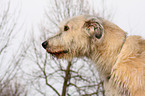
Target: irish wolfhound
(120, 59)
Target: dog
(119, 59)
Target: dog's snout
(44, 44)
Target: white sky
(130, 14)
(32, 12)
(33, 9)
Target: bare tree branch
(9, 60)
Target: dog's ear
(93, 27)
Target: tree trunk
(66, 78)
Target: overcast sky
(130, 14)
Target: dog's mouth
(57, 53)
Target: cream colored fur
(120, 59)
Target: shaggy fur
(120, 59)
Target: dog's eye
(66, 28)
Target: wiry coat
(120, 59)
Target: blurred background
(25, 67)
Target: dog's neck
(107, 54)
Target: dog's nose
(44, 44)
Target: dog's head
(76, 37)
